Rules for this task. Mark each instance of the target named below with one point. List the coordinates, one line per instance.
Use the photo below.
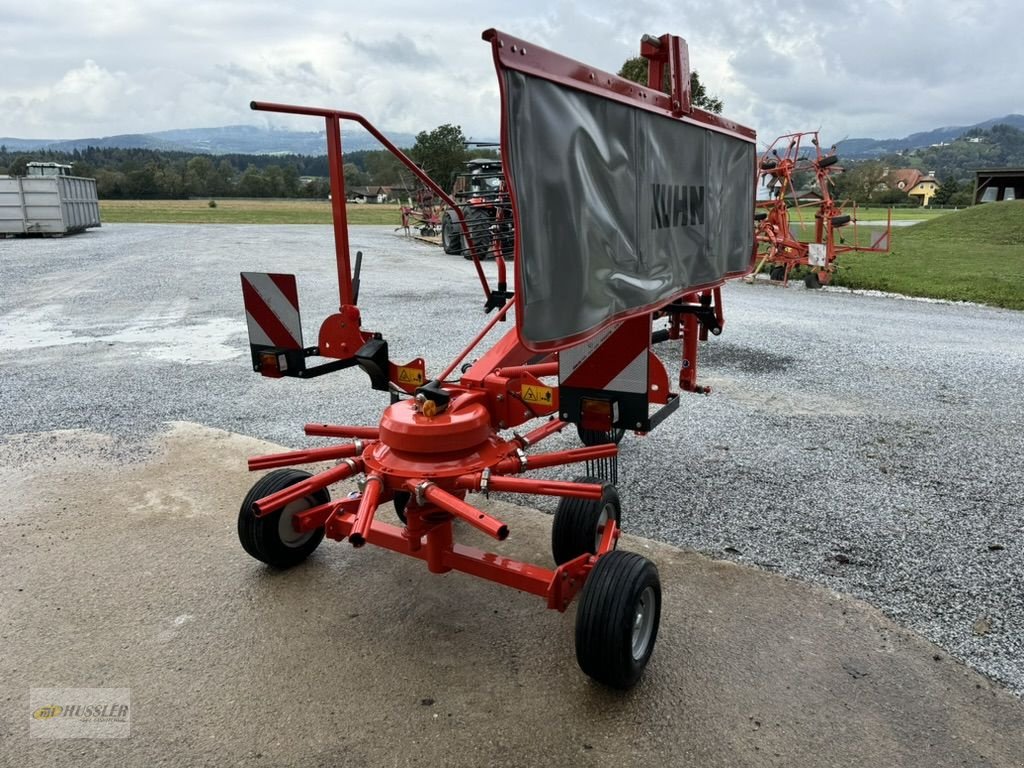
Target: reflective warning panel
(612, 366)
(272, 310)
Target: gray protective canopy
(619, 208)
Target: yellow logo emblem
(45, 713)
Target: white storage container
(48, 205)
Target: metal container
(48, 205)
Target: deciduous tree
(947, 189)
(635, 69)
(440, 152)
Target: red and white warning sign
(614, 360)
(272, 310)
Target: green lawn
(241, 212)
(975, 255)
(901, 214)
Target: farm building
(367, 194)
(994, 184)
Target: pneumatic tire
(478, 223)
(451, 234)
(617, 619)
(271, 538)
(580, 523)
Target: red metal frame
(429, 451)
(778, 244)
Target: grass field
(240, 212)
(975, 255)
(899, 214)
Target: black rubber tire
(825, 162)
(592, 437)
(777, 273)
(261, 536)
(840, 221)
(508, 245)
(478, 222)
(578, 525)
(617, 619)
(811, 280)
(400, 502)
(451, 234)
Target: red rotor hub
(458, 440)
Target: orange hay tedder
(806, 227)
(630, 208)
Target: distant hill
(859, 149)
(252, 140)
(232, 139)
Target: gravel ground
(871, 444)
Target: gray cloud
(882, 68)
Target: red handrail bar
(333, 118)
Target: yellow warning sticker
(408, 375)
(534, 393)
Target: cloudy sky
(878, 68)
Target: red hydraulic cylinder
(538, 370)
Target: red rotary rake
(422, 213)
(654, 212)
(781, 230)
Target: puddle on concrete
(168, 337)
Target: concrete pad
(120, 574)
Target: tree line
(160, 174)
(139, 174)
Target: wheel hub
(643, 623)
